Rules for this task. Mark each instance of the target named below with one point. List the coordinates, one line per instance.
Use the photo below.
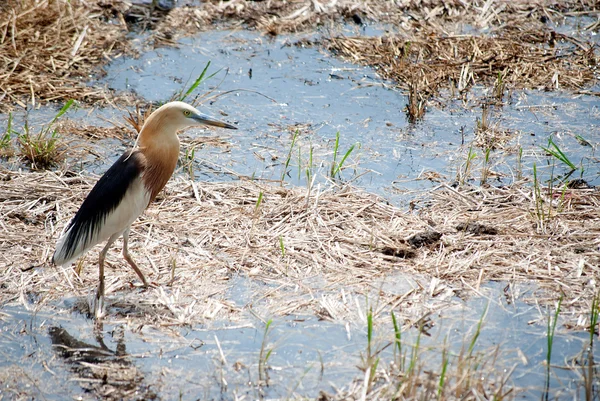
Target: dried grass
(430, 51)
(526, 59)
(276, 17)
(338, 244)
(75, 129)
(49, 49)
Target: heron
(127, 188)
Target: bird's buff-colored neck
(159, 144)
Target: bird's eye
(186, 113)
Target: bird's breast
(157, 172)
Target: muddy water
(278, 90)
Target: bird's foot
(99, 306)
(145, 285)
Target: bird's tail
(61, 254)
(70, 246)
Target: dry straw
(525, 59)
(52, 50)
(300, 252)
(49, 49)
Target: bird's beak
(208, 120)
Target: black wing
(102, 199)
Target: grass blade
(551, 329)
(62, 111)
(289, 156)
(478, 330)
(555, 151)
(341, 164)
(197, 82)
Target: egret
(126, 189)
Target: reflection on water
(107, 374)
(299, 356)
(317, 96)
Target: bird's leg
(130, 260)
(99, 302)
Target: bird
(126, 189)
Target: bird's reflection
(109, 374)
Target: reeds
(289, 156)
(411, 373)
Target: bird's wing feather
(117, 199)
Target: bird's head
(175, 116)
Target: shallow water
(316, 95)
(320, 95)
(273, 90)
(220, 360)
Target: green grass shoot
(5, 147)
(397, 339)
(551, 328)
(264, 355)
(61, 112)
(258, 201)
(563, 194)
(5, 141)
(42, 149)
(281, 246)
(289, 156)
(415, 354)
(445, 361)
(471, 155)
(582, 141)
(557, 153)
(499, 86)
(372, 361)
(335, 166)
(369, 330)
(594, 317)
(477, 330)
(309, 167)
(181, 96)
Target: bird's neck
(161, 152)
